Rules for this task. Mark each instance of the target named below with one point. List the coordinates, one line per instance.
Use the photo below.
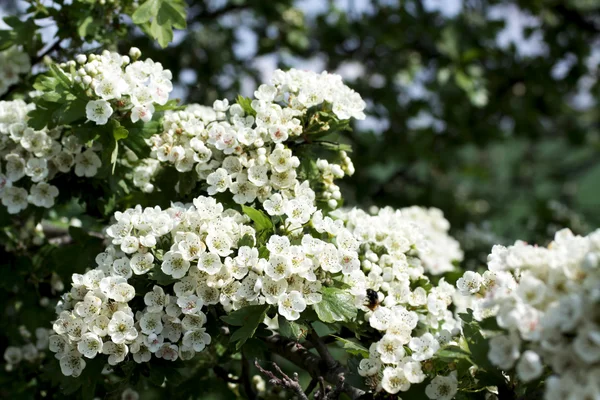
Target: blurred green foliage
(503, 137)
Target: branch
(246, 382)
(323, 351)
(285, 381)
(313, 364)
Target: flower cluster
(546, 301)
(39, 156)
(116, 84)
(209, 255)
(30, 352)
(391, 247)
(13, 62)
(250, 151)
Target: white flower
(290, 305)
(116, 352)
(13, 355)
(151, 323)
(89, 345)
(279, 267)
(87, 163)
(71, 364)
(121, 328)
(109, 88)
(381, 318)
(190, 304)
(394, 380)
(175, 264)
(156, 299)
(15, 199)
(504, 351)
(141, 263)
(369, 367)
(168, 352)
(529, 366)
(36, 169)
(143, 113)
(98, 111)
(470, 283)
(209, 263)
(219, 243)
(391, 349)
(423, 347)
(43, 195)
(196, 339)
(413, 372)
(442, 387)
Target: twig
(285, 381)
(311, 386)
(311, 363)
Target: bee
(372, 301)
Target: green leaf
(187, 182)
(353, 347)
(337, 305)
(291, 329)
(172, 13)
(145, 12)
(163, 34)
(246, 240)
(162, 16)
(246, 104)
(452, 353)
(84, 25)
(247, 318)
(262, 222)
(160, 277)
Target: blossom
(98, 111)
(442, 387)
(72, 364)
(121, 328)
(15, 199)
(529, 366)
(290, 305)
(423, 347)
(42, 195)
(87, 163)
(469, 283)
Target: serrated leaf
(247, 318)
(337, 305)
(145, 12)
(353, 347)
(246, 240)
(291, 329)
(160, 277)
(452, 353)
